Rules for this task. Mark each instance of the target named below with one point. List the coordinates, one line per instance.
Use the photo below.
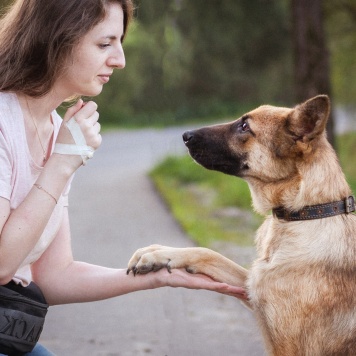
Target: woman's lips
(104, 77)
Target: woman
(50, 51)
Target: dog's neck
(316, 181)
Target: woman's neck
(39, 109)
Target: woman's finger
(73, 110)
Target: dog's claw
(144, 267)
(133, 269)
(168, 267)
(189, 270)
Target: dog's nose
(187, 136)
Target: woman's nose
(117, 59)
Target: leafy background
(188, 60)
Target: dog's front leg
(193, 259)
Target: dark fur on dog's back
(302, 286)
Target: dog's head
(265, 146)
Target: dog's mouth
(206, 160)
(216, 163)
(210, 163)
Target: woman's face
(95, 57)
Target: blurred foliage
(347, 144)
(210, 59)
(193, 59)
(341, 32)
(4, 3)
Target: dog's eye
(244, 126)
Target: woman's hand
(86, 116)
(181, 278)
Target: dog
(302, 286)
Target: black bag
(22, 316)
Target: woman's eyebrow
(109, 37)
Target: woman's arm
(64, 280)
(21, 228)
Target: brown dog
(302, 287)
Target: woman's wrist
(64, 165)
(54, 177)
(152, 280)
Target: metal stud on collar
(350, 204)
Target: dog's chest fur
(306, 266)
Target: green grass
(346, 150)
(207, 204)
(212, 206)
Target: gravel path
(115, 210)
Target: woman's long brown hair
(38, 36)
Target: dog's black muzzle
(208, 147)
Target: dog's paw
(149, 263)
(147, 260)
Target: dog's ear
(308, 120)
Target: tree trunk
(311, 56)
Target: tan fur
(302, 286)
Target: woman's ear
(308, 120)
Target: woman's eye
(104, 45)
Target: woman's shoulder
(8, 103)
(9, 109)
(7, 100)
